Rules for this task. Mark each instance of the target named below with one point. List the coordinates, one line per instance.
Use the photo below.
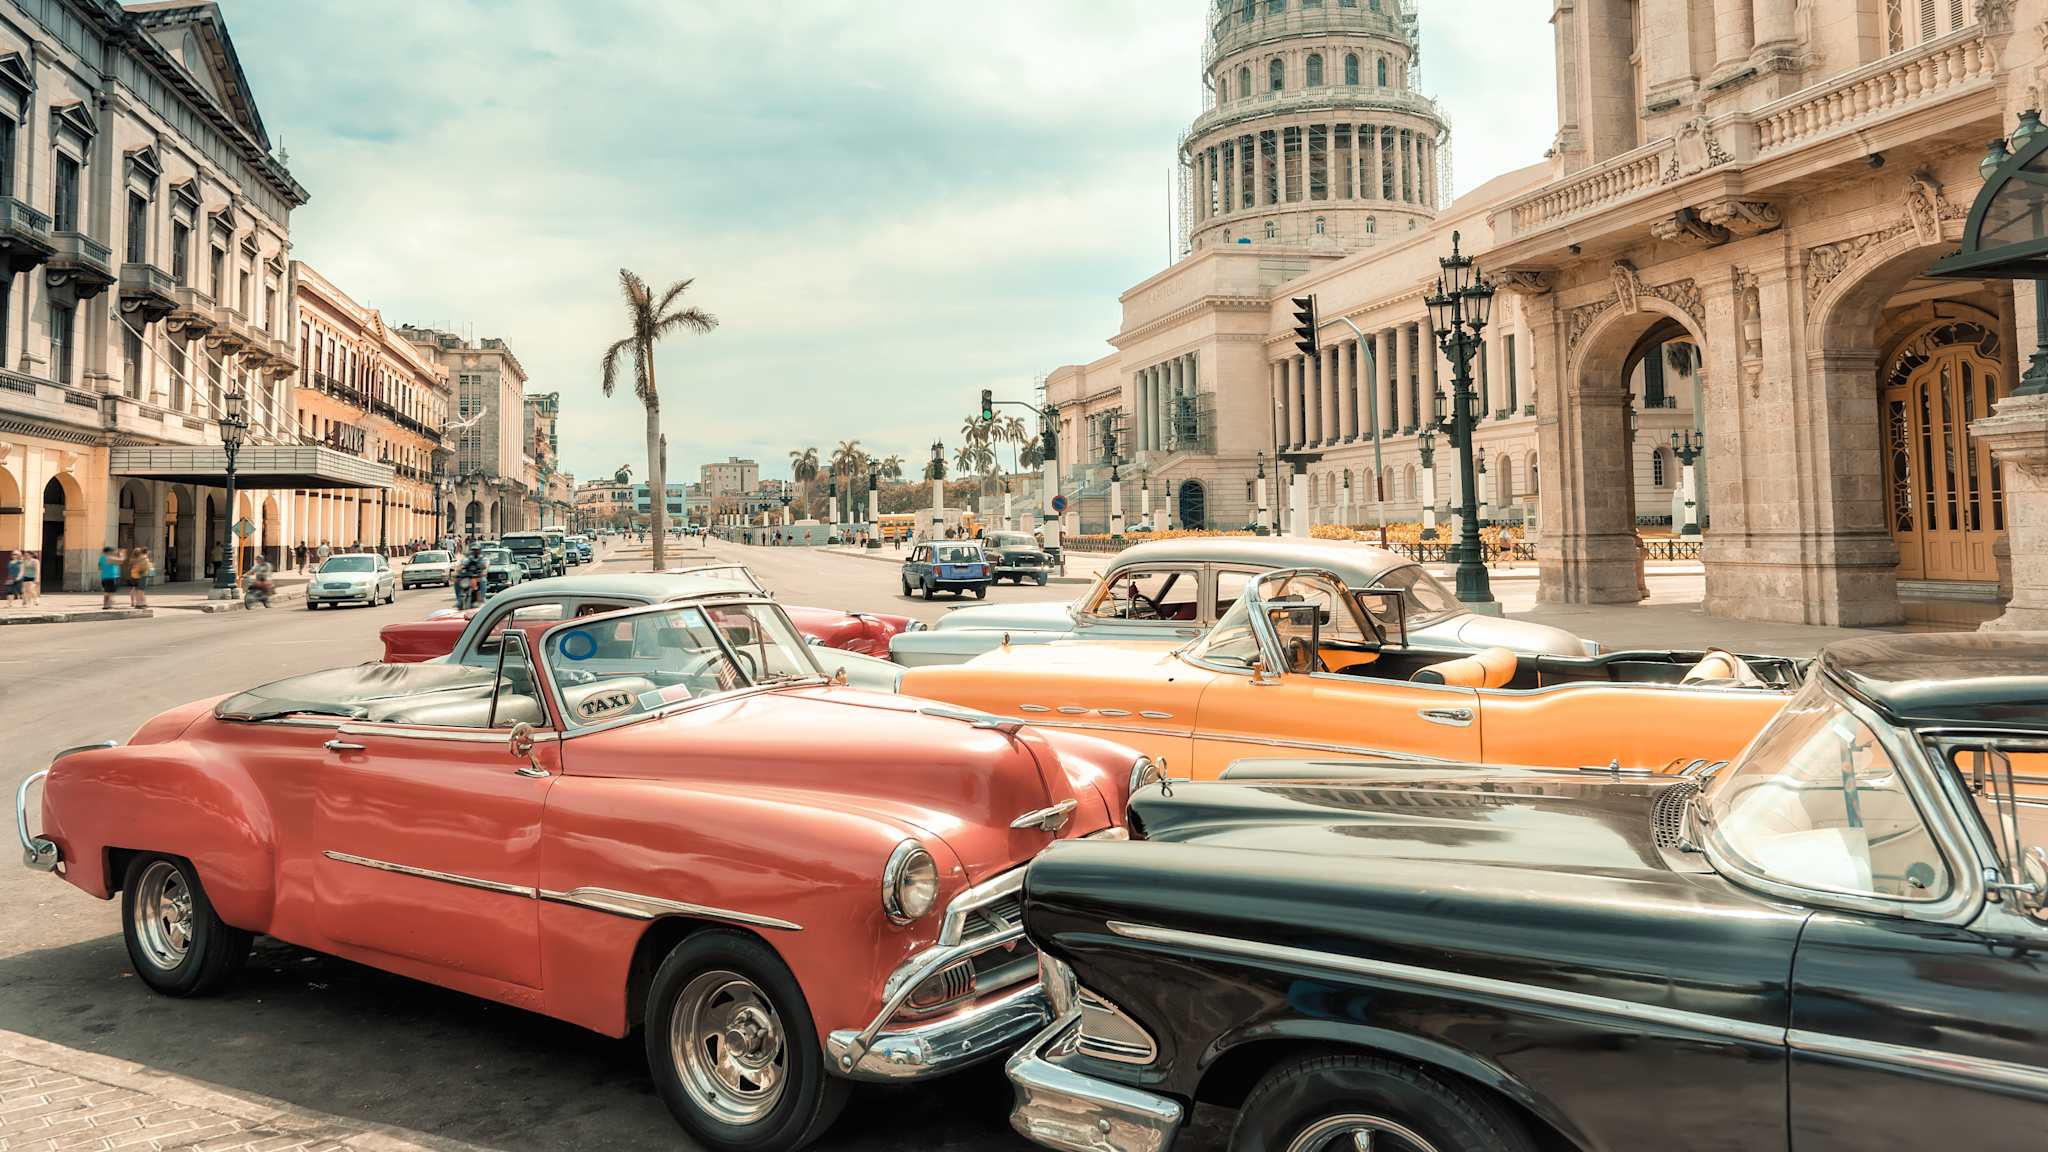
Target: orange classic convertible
(664, 818)
(1302, 664)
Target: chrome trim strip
(631, 905)
(1094, 726)
(1072, 710)
(407, 732)
(1111, 712)
(905, 980)
(92, 747)
(1032, 708)
(637, 907)
(1151, 715)
(37, 853)
(1058, 1108)
(1432, 978)
(992, 891)
(430, 874)
(1047, 819)
(2030, 1077)
(1313, 746)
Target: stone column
(1771, 21)
(1733, 33)
(1290, 404)
(1382, 380)
(1366, 376)
(2017, 432)
(1138, 407)
(1280, 162)
(1312, 400)
(1347, 388)
(1403, 369)
(1667, 44)
(1432, 356)
(1378, 188)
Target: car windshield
(525, 543)
(430, 557)
(349, 564)
(1231, 643)
(617, 665)
(1817, 802)
(1010, 540)
(956, 553)
(497, 556)
(1424, 596)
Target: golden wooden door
(1946, 501)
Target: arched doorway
(132, 528)
(472, 518)
(11, 528)
(1943, 493)
(63, 528)
(1191, 505)
(174, 507)
(273, 532)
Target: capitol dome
(1312, 136)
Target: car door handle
(343, 746)
(1455, 717)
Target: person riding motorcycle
(469, 580)
(258, 587)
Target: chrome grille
(1668, 817)
(990, 919)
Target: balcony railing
(1345, 103)
(1229, 32)
(1927, 75)
(24, 234)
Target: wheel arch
(663, 936)
(1237, 1063)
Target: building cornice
(1209, 303)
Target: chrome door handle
(532, 772)
(343, 746)
(1455, 717)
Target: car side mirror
(520, 739)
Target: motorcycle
(257, 591)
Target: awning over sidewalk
(256, 466)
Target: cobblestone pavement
(53, 1097)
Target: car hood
(1547, 881)
(1045, 617)
(1472, 630)
(921, 765)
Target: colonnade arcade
(1316, 161)
(1165, 419)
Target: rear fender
(166, 798)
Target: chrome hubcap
(729, 1047)
(163, 915)
(1358, 1133)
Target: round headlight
(1145, 772)
(910, 883)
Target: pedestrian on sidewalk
(31, 579)
(110, 576)
(10, 581)
(213, 555)
(136, 571)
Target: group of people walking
(23, 581)
(128, 568)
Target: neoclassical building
(1728, 241)
(144, 225)
(489, 487)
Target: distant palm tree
(1010, 430)
(624, 473)
(891, 467)
(803, 468)
(651, 320)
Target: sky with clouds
(887, 206)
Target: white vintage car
(1173, 590)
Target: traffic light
(1306, 325)
(988, 404)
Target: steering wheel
(748, 663)
(1302, 657)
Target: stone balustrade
(1625, 177)
(1934, 71)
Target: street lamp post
(874, 513)
(1116, 484)
(232, 424)
(1259, 495)
(1459, 310)
(1427, 440)
(936, 472)
(384, 507)
(1688, 451)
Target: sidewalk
(53, 1097)
(186, 596)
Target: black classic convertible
(1839, 941)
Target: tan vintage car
(1302, 664)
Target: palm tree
(1010, 429)
(803, 468)
(891, 467)
(650, 321)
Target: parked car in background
(465, 637)
(501, 569)
(1172, 590)
(1833, 943)
(430, 567)
(354, 578)
(558, 546)
(536, 556)
(954, 566)
(664, 821)
(1017, 557)
(1304, 664)
(582, 551)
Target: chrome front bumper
(944, 1045)
(1062, 1109)
(36, 852)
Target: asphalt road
(334, 1036)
